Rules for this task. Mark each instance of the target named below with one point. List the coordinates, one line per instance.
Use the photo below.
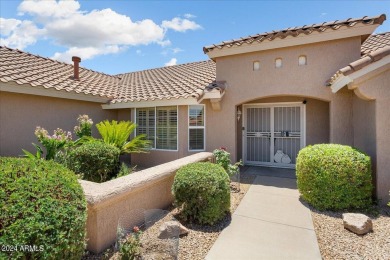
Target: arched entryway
(271, 131)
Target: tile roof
(179, 81)
(296, 31)
(377, 48)
(375, 42)
(25, 68)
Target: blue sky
(122, 36)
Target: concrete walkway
(270, 222)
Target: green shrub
(332, 176)
(42, 209)
(118, 134)
(124, 170)
(222, 157)
(94, 161)
(202, 192)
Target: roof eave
(353, 79)
(49, 92)
(289, 41)
(152, 103)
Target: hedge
(42, 211)
(202, 192)
(334, 177)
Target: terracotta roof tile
(24, 68)
(360, 63)
(375, 42)
(295, 31)
(179, 81)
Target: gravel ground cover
(335, 242)
(196, 244)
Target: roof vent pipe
(76, 60)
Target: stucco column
(341, 118)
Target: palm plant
(118, 133)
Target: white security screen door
(273, 134)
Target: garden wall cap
(98, 194)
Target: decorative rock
(357, 223)
(172, 229)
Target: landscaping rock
(171, 229)
(359, 224)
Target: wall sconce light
(239, 113)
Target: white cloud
(180, 25)
(85, 34)
(172, 62)
(323, 14)
(49, 9)
(86, 53)
(177, 50)
(8, 25)
(164, 43)
(18, 34)
(189, 16)
(104, 27)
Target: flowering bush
(130, 247)
(52, 143)
(85, 126)
(223, 158)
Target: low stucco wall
(113, 200)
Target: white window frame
(197, 127)
(155, 128)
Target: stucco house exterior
(263, 97)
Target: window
(196, 128)
(166, 128)
(256, 65)
(278, 63)
(146, 124)
(302, 60)
(159, 125)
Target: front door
(273, 134)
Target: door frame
(272, 105)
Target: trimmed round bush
(95, 161)
(42, 211)
(334, 177)
(202, 192)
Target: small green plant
(52, 143)
(36, 156)
(222, 158)
(130, 247)
(334, 177)
(124, 170)
(118, 134)
(202, 192)
(95, 161)
(42, 210)
(85, 126)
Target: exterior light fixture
(239, 113)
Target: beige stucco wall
(245, 85)
(20, 114)
(372, 123)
